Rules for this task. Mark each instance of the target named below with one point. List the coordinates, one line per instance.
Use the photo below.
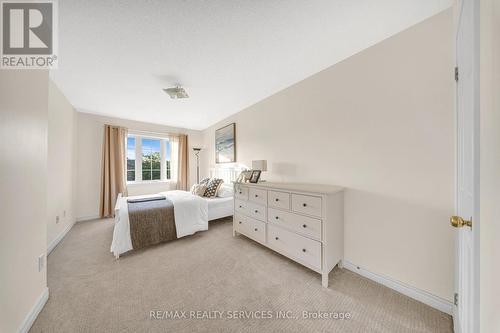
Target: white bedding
(219, 207)
(190, 212)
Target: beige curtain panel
(113, 169)
(182, 173)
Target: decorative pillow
(225, 191)
(213, 187)
(198, 189)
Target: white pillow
(225, 191)
(198, 189)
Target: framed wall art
(225, 144)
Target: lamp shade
(259, 165)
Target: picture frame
(254, 178)
(225, 144)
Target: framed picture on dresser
(254, 178)
(225, 144)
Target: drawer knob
(303, 250)
(276, 238)
(277, 217)
(240, 192)
(256, 195)
(304, 205)
(255, 229)
(239, 222)
(256, 211)
(304, 226)
(276, 199)
(240, 206)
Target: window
(130, 159)
(168, 166)
(151, 165)
(148, 159)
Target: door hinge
(455, 299)
(456, 74)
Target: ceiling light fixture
(176, 92)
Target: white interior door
(467, 114)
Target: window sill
(149, 182)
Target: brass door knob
(458, 222)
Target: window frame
(138, 158)
(126, 158)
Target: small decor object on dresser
(225, 144)
(254, 178)
(244, 176)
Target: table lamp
(259, 165)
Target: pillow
(198, 189)
(205, 181)
(213, 187)
(225, 191)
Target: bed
(191, 214)
(219, 207)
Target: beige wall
(23, 186)
(380, 123)
(90, 136)
(490, 166)
(61, 165)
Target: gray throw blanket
(151, 222)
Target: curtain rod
(153, 133)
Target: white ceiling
(116, 56)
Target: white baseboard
(56, 241)
(35, 310)
(87, 218)
(410, 291)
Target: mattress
(219, 207)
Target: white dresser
(304, 222)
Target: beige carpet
(211, 271)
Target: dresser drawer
(306, 204)
(304, 225)
(241, 206)
(278, 199)
(257, 195)
(300, 247)
(250, 209)
(250, 227)
(241, 192)
(256, 211)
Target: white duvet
(190, 212)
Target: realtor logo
(28, 35)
